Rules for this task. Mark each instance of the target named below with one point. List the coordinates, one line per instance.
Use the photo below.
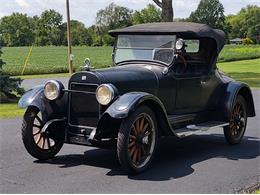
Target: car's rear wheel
(36, 141)
(137, 139)
(234, 132)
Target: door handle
(203, 82)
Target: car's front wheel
(234, 132)
(36, 141)
(137, 139)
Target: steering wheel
(179, 56)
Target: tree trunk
(167, 10)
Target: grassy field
(54, 59)
(239, 52)
(10, 110)
(245, 70)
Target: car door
(211, 87)
(189, 94)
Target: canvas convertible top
(185, 29)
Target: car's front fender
(127, 103)
(49, 109)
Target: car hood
(132, 77)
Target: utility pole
(70, 56)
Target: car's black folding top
(184, 29)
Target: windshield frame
(158, 62)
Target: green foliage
(248, 41)
(108, 40)
(48, 28)
(246, 23)
(112, 17)
(16, 30)
(209, 12)
(80, 34)
(9, 87)
(149, 14)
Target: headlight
(53, 89)
(179, 44)
(105, 94)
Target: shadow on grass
(174, 157)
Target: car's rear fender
(125, 105)
(232, 90)
(49, 109)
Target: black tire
(234, 132)
(38, 144)
(136, 146)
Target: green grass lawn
(46, 60)
(53, 59)
(239, 52)
(245, 70)
(10, 110)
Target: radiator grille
(84, 108)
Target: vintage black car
(163, 82)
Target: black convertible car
(163, 82)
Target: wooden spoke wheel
(141, 139)
(137, 140)
(41, 137)
(237, 125)
(36, 140)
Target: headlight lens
(105, 94)
(179, 44)
(52, 89)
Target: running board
(192, 129)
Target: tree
(17, 30)
(167, 10)
(80, 34)
(48, 30)
(209, 12)
(147, 15)
(9, 87)
(246, 23)
(113, 16)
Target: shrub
(247, 41)
(9, 87)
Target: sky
(85, 10)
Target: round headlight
(105, 94)
(179, 44)
(52, 89)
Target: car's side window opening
(192, 46)
(196, 57)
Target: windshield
(145, 47)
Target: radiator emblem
(84, 78)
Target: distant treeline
(48, 29)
